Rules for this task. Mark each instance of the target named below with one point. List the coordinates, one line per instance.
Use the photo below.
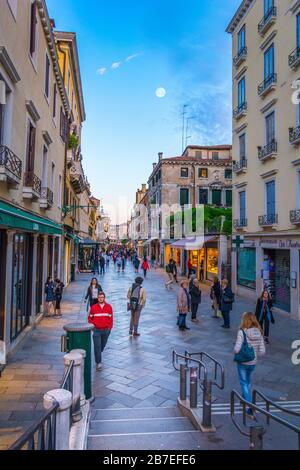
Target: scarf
(265, 309)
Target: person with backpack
(93, 292)
(145, 267)
(195, 294)
(264, 313)
(101, 316)
(136, 302)
(58, 291)
(226, 302)
(136, 264)
(50, 296)
(215, 295)
(249, 346)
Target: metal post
(256, 437)
(193, 386)
(206, 418)
(183, 378)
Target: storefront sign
(266, 243)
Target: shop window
(212, 256)
(276, 274)
(246, 268)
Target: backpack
(135, 296)
(168, 269)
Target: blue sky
(180, 45)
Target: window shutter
(33, 23)
(54, 100)
(47, 76)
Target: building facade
(266, 137)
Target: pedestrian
(175, 271)
(58, 291)
(102, 264)
(249, 346)
(136, 302)
(101, 316)
(190, 268)
(136, 264)
(202, 271)
(145, 267)
(215, 295)
(226, 302)
(170, 271)
(119, 263)
(50, 296)
(123, 262)
(192, 278)
(153, 259)
(96, 265)
(264, 313)
(93, 292)
(183, 304)
(195, 294)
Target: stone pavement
(136, 392)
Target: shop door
(3, 247)
(277, 267)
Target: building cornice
(268, 174)
(296, 162)
(241, 73)
(47, 138)
(268, 40)
(31, 108)
(241, 128)
(241, 185)
(239, 15)
(295, 6)
(269, 106)
(8, 65)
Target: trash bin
(79, 337)
(73, 271)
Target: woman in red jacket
(101, 316)
(145, 266)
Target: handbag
(247, 353)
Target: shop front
(276, 276)
(88, 254)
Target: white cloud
(133, 56)
(102, 70)
(116, 65)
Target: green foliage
(73, 141)
(216, 219)
(124, 241)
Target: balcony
(32, 186)
(267, 85)
(295, 217)
(267, 21)
(240, 57)
(240, 223)
(77, 178)
(268, 152)
(268, 220)
(10, 167)
(294, 135)
(294, 58)
(46, 198)
(240, 111)
(71, 156)
(241, 166)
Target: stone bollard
(64, 399)
(77, 380)
(82, 394)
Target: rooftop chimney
(160, 156)
(154, 165)
(144, 186)
(52, 23)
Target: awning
(192, 244)
(88, 242)
(16, 218)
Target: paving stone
(146, 392)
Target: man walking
(136, 302)
(171, 270)
(101, 316)
(102, 264)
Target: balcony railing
(268, 19)
(46, 198)
(240, 166)
(10, 166)
(267, 85)
(294, 58)
(77, 178)
(269, 151)
(267, 220)
(240, 223)
(240, 111)
(33, 182)
(240, 57)
(295, 216)
(294, 135)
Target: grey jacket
(255, 339)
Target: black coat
(259, 306)
(226, 306)
(89, 294)
(195, 294)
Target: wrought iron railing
(294, 57)
(270, 14)
(268, 150)
(47, 194)
(294, 134)
(240, 223)
(240, 109)
(269, 219)
(242, 164)
(295, 216)
(32, 181)
(242, 54)
(10, 161)
(267, 83)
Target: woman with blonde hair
(249, 346)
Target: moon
(160, 92)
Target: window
(298, 30)
(228, 174)
(47, 76)
(198, 153)
(215, 155)
(63, 126)
(203, 173)
(69, 78)
(184, 172)
(242, 146)
(203, 196)
(269, 63)
(242, 203)
(241, 92)
(52, 177)
(45, 168)
(242, 39)
(2, 109)
(217, 197)
(270, 128)
(246, 267)
(229, 198)
(30, 148)
(54, 100)
(270, 196)
(268, 5)
(184, 196)
(33, 28)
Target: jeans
(265, 325)
(245, 373)
(226, 316)
(102, 270)
(182, 320)
(134, 320)
(100, 338)
(194, 311)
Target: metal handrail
(67, 380)
(218, 366)
(268, 403)
(46, 437)
(188, 359)
(255, 407)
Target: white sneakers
(99, 367)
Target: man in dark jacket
(102, 264)
(195, 294)
(226, 302)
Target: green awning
(13, 217)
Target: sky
(130, 48)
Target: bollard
(76, 382)
(256, 437)
(83, 354)
(183, 379)
(193, 386)
(64, 399)
(206, 418)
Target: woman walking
(264, 313)
(50, 296)
(249, 346)
(145, 267)
(183, 304)
(101, 316)
(215, 295)
(195, 294)
(93, 291)
(227, 299)
(136, 264)
(58, 297)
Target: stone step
(135, 413)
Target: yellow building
(266, 137)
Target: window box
(267, 152)
(267, 85)
(241, 166)
(267, 21)
(240, 57)
(295, 217)
(240, 111)
(267, 220)
(10, 167)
